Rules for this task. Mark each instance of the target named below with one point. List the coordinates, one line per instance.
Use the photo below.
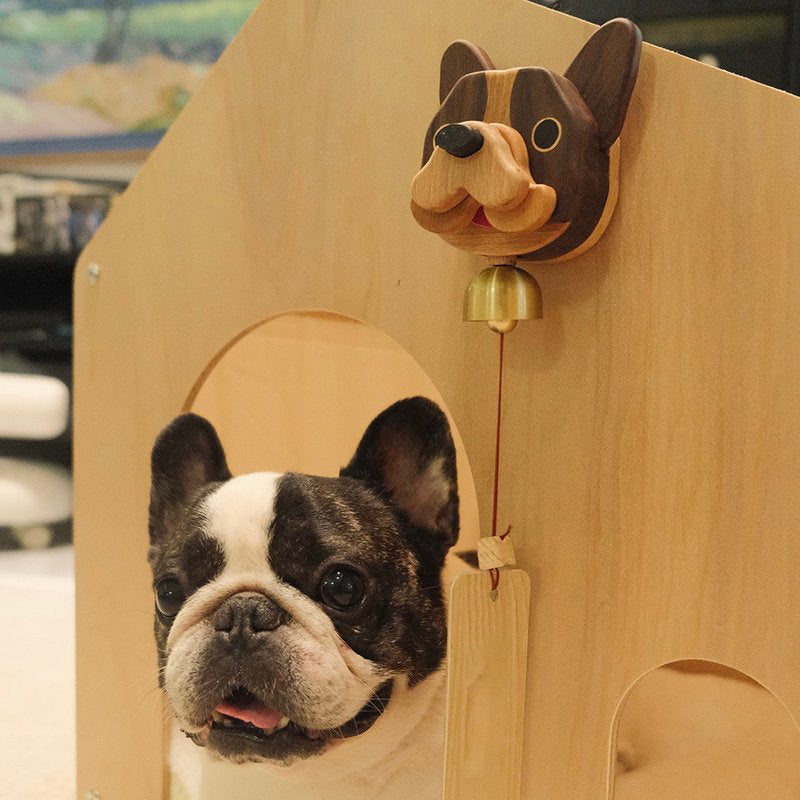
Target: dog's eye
(341, 588)
(546, 134)
(169, 597)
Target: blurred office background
(87, 89)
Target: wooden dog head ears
(552, 149)
(604, 72)
(460, 58)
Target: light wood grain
(495, 552)
(486, 654)
(473, 240)
(652, 419)
(297, 391)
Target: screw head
(93, 794)
(93, 276)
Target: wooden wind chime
(517, 164)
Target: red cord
(497, 438)
(495, 573)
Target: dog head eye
(169, 596)
(546, 134)
(341, 588)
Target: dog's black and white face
(288, 605)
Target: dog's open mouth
(242, 714)
(242, 723)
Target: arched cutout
(296, 391)
(700, 729)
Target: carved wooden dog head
(523, 162)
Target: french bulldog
(300, 620)
(524, 161)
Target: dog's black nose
(459, 140)
(247, 614)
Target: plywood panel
(487, 654)
(653, 416)
(296, 393)
(700, 729)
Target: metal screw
(93, 794)
(93, 274)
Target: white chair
(33, 494)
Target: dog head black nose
(459, 140)
(246, 615)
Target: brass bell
(501, 295)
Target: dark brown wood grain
(604, 72)
(468, 103)
(577, 167)
(460, 58)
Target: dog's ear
(460, 58)
(604, 72)
(407, 452)
(187, 455)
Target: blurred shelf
(120, 143)
(114, 158)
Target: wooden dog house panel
(296, 392)
(681, 729)
(652, 418)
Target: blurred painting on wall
(89, 68)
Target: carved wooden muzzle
(494, 175)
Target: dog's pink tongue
(260, 716)
(480, 219)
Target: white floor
(37, 674)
